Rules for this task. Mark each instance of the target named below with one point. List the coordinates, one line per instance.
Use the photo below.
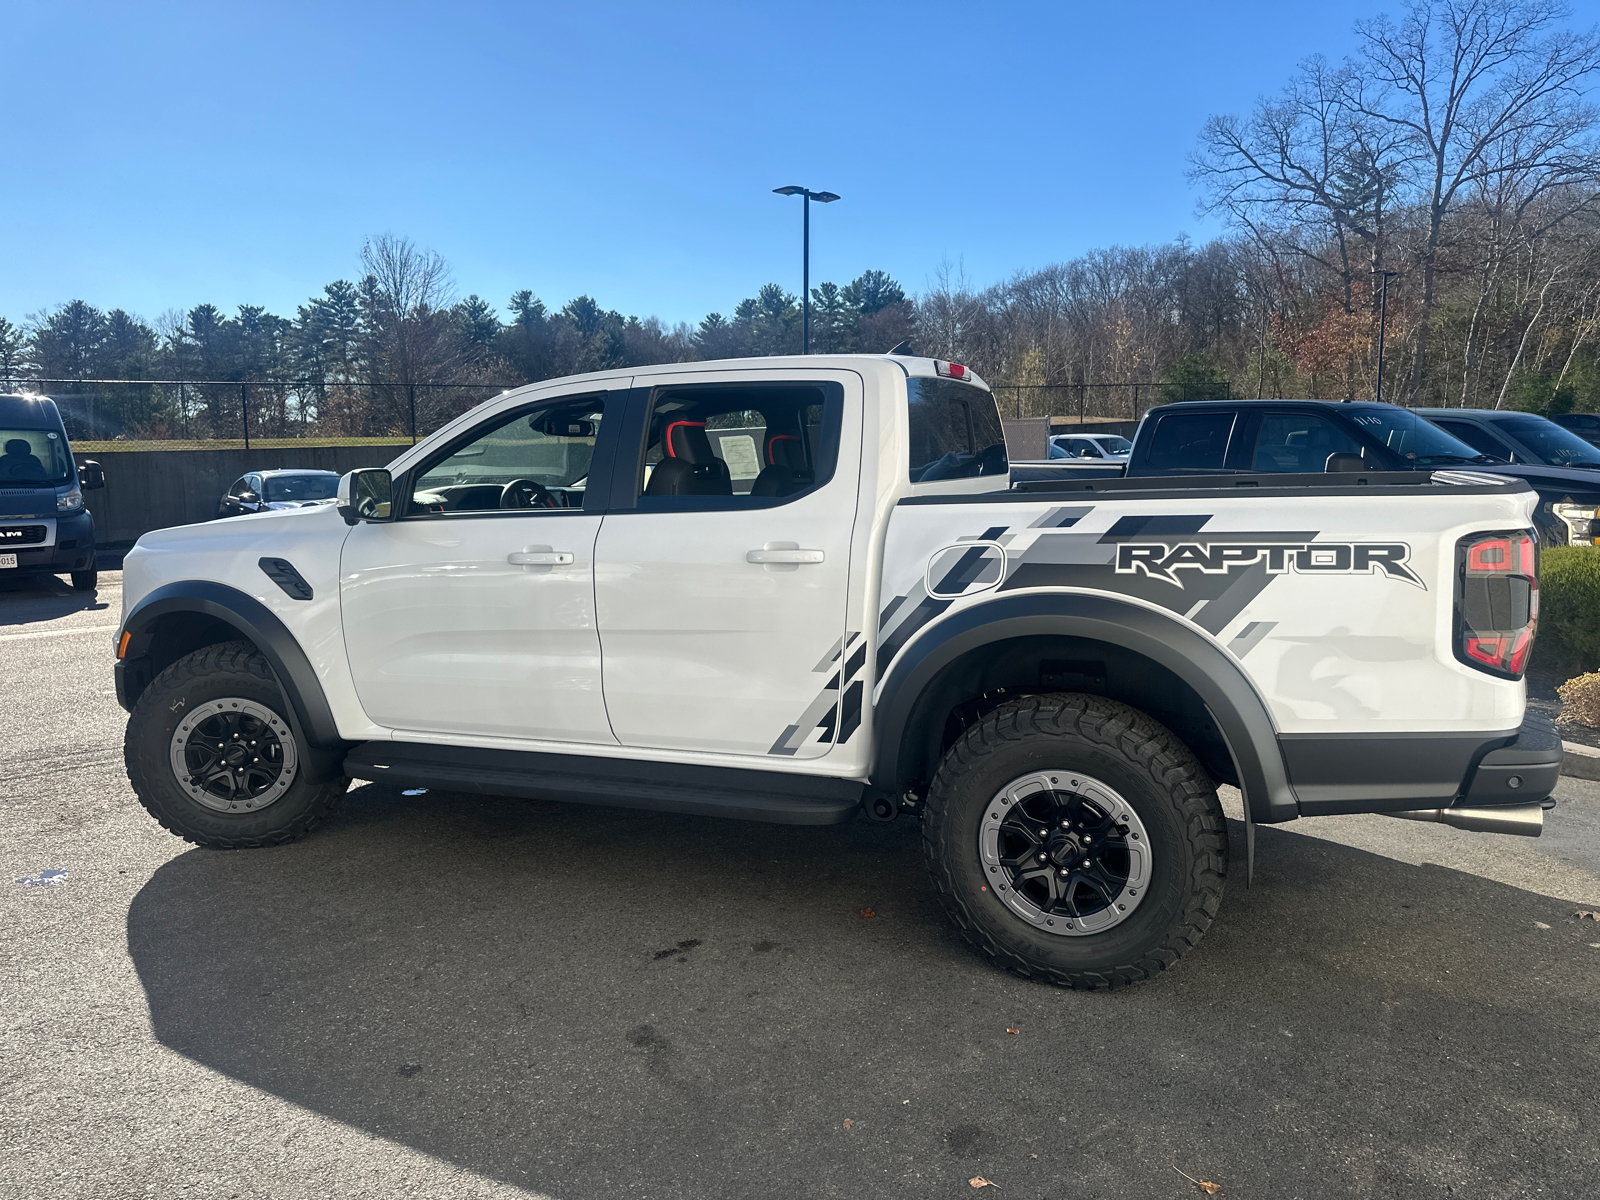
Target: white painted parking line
(44, 633)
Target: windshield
(36, 457)
(1114, 445)
(1409, 436)
(301, 487)
(1551, 444)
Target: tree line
(1441, 185)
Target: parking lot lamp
(805, 256)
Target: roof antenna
(904, 348)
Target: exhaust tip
(1518, 820)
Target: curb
(1580, 761)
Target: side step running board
(663, 787)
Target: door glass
(239, 488)
(1191, 441)
(739, 447)
(1479, 439)
(1299, 443)
(536, 458)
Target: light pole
(805, 257)
(1383, 321)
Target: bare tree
(1455, 79)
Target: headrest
(18, 446)
(785, 450)
(687, 440)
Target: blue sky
(161, 155)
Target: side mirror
(1344, 462)
(91, 475)
(248, 498)
(366, 494)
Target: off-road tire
(225, 670)
(1153, 771)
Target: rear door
(722, 567)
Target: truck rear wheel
(1076, 840)
(212, 755)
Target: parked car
(1516, 437)
(1585, 425)
(44, 527)
(1098, 448)
(1290, 437)
(1050, 677)
(264, 491)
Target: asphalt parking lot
(455, 996)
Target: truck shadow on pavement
(592, 1002)
(43, 598)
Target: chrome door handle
(542, 558)
(784, 556)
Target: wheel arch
(184, 616)
(937, 674)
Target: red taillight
(1491, 555)
(1497, 602)
(950, 370)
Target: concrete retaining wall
(153, 489)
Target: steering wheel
(526, 493)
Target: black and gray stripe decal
(823, 712)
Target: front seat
(689, 468)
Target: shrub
(1580, 699)
(1569, 609)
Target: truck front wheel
(1076, 840)
(213, 757)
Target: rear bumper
(1524, 772)
(1368, 773)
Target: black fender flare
(309, 711)
(1240, 712)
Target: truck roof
(910, 364)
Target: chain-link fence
(1085, 402)
(173, 414)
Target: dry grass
(1580, 699)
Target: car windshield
(36, 457)
(301, 487)
(1553, 445)
(1409, 436)
(1114, 445)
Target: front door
(722, 573)
(473, 613)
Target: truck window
(955, 431)
(739, 446)
(1478, 439)
(1299, 443)
(1191, 441)
(546, 450)
(1404, 433)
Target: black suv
(1259, 437)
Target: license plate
(7, 560)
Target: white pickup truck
(803, 589)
